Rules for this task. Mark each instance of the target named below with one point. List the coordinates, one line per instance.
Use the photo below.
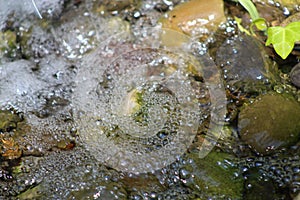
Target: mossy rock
(214, 176)
(271, 122)
(8, 44)
(8, 120)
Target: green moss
(8, 121)
(215, 176)
(8, 43)
(31, 193)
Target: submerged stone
(135, 117)
(260, 187)
(281, 170)
(214, 176)
(271, 122)
(146, 185)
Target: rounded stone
(295, 75)
(271, 122)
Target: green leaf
(260, 24)
(294, 28)
(240, 27)
(284, 38)
(250, 7)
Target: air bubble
(286, 11)
(152, 103)
(184, 174)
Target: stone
(295, 75)
(196, 17)
(271, 122)
(245, 64)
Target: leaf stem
(36, 9)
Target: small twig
(37, 10)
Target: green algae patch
(8, 121)
(8, 44)
(215, 176)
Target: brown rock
(195, 17)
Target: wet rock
(145, 185)
(116, 25)
(102, 190)
(295, 75)
(53, 103)
(195, 18)
(259, 186)
(214, 176)
(271, 122)
(245, 64)
(281, 170)
(66, 144)
(162, 6)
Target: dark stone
(245, 63)
(295, 75)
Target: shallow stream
(147, 99)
